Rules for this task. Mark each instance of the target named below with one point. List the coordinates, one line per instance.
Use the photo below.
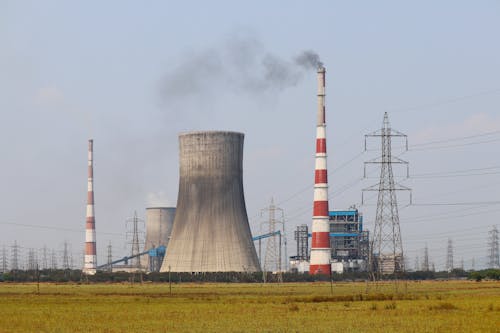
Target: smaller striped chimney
(320, 247)
(90, 264)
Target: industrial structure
(387, 248)
(159, 223)
(136, 240)
(300, 262)
(274, 245)
(493, 252)
(90, 261)
(349, 243)
(211, 232)
(449, 256)
(320, 245)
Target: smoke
(241, 65)
(309, 59)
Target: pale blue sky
(97, 69)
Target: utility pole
(493, 254)
(449, 256)
(387, 249)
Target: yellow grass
(448, 306)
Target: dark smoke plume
(309, 59)
(239, 64)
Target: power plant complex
(209, 231)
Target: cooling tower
(159, 222)
(211, 231)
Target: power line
(459, 172)
(454, 146)
(458, 203)
(445, 101)
(456, 139)
(56, 228)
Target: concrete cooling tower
(159, 223)
(211, 231)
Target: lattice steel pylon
(449, 256)
(15, 257)
(425, 264)
(273, 258)
(136, 239)
(493, 253)
(5, 261)
(386, 253)
(110, 258)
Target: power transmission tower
(473, 264)
(494, 258)
(5, 262)
(417, 264)
(65, 258)
(110, 258)
(136, 241)
(273, 259)
(387, 246)
(426, 260)
(462, 267)
(449, 256)
(32, 262)
(15, 257)
(45, 263)
(53, 260)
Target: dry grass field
(443, 306)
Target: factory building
(348, 246)
(348, 241)
(300, 262)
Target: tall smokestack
(320, 247)
(211, 231)
(90, 263)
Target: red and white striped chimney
(90, 264)
(320, 247)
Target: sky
(133, 75)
